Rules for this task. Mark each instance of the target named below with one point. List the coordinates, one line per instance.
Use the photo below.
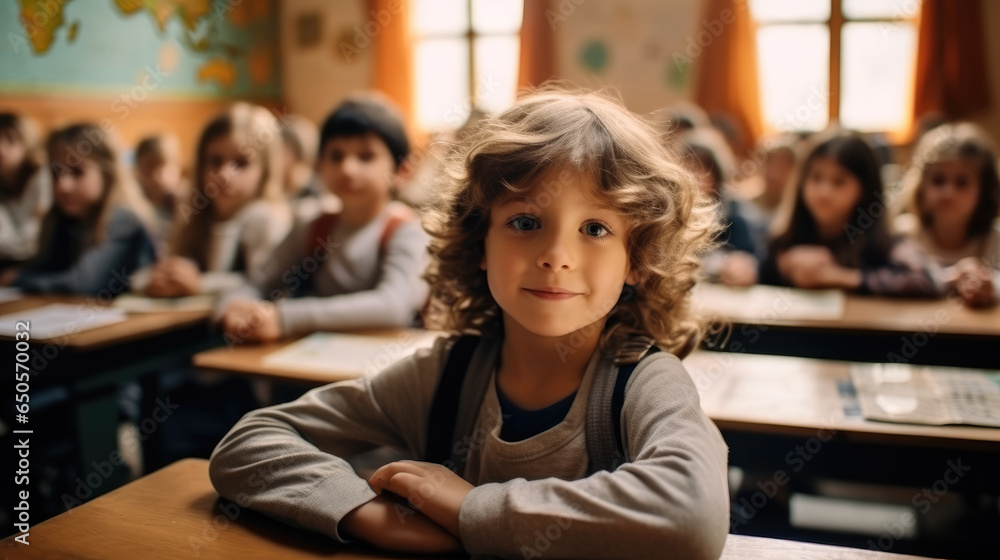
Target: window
(822, 61)
(466, 56)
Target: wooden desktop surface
(136, 326)
(799, 396)
(869, 313)
(248, 359)
(175, 513)
(749, 392)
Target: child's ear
(633, 277)
(404, 171)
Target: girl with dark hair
(836, 233)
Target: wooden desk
(248, 359)
(175, 513)
(871, 329)
(79, 375)
(782, 395)
(784, 420)
(136, 327)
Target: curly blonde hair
(671, 222)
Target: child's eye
(241, 163)
(366, 156)
(596, 229)
(523, 223)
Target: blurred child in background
(360, 268)
(709, 158)
(300, 139)
(954, 201)
(95, 235)
(159, 174)
(25, 189)
(776, 174)
(837, 231)
(236, 212)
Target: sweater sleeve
(400, 292)
(261, 230)
(289, 461)
(105, 266)
(908, 273)
(670, 501)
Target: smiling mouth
(551, 294)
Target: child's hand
(183, 274)
(826, 276)
(739, 269)
(800, 257)
(974, 282)
(160, 283)
(391, 525)
(433, 489)
(253, 321)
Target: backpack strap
(398, 215)
(320, 231)
(618, 400)
(605, 444)
(444, 408)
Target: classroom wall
(627, 44)
(316, 74)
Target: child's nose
(557, 253)
(64, 182)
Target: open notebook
(925, 395)
(363, 354)
(59, 319)
(756, 303)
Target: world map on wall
(223, 43)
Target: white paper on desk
(760, 303)
(59, 319)
(335, 352)
(141, 304)
(925, 395)
(10, 294)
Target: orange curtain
(726, 80)
(951, 60)
(538, 55)
(392, 71)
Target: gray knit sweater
(532, 497)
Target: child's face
(360, 170)
(556, 259)
(951, 189)
(159, 179)
(830, 193)
(12, 152)
(78, 184)
(232, 176)
(778, 168)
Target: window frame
(469, 37)
(835, 25)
